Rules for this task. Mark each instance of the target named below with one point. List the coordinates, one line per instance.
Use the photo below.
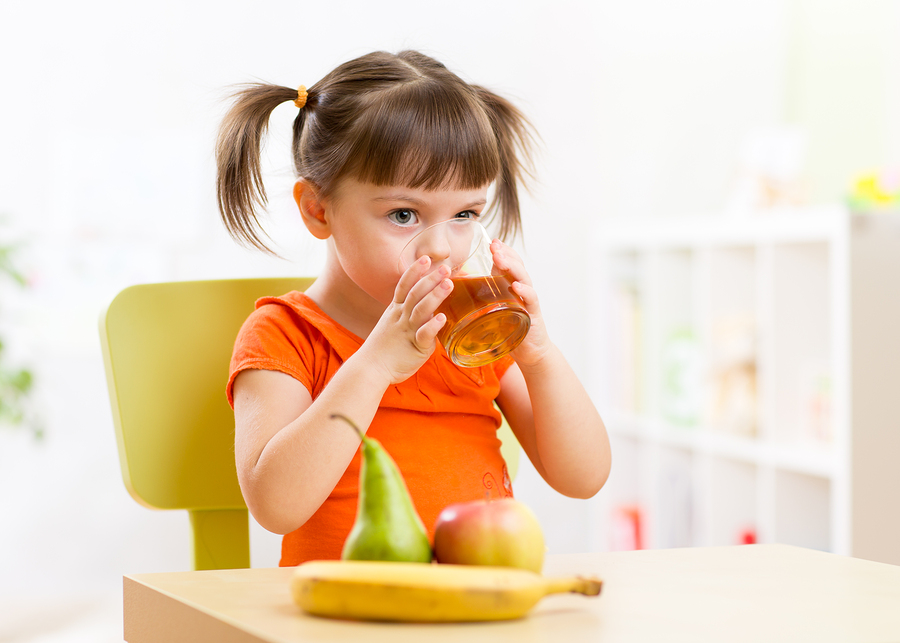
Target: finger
(425, 285)
(528, 295)
(508, 260)
(427, 306)
(426, 335)
(410, 278)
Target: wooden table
(747, 593)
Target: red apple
(503, 532)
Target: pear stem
(338, 416)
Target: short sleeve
(502, 365)
(292, 335)
(272, 339)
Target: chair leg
(221, 538)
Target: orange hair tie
(300, 101)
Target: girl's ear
(312, 209)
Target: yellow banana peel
(422, 592)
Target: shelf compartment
(798, 386)
(674, 507)
(625, 495)
(802, 510)
(730, 318)
(620, 313)
(731, 497)
(673, 363)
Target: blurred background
(646, 109)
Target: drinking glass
(485, 319)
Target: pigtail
(516, 143)
(384, 119)
(239, 187)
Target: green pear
(387, 526)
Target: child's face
(371, 224)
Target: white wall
(106, 129)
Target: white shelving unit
(748, 370)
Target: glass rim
(455, 221)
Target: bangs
(422, 135)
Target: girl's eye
(468, 214)
(402, 217)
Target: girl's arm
(557, 425)
(289, 453)
(546, 405)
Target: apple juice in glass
(485, 319)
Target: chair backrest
(166, 349)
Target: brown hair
(385, 119)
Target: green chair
(166, 349)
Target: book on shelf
(733, 376)
(681, 388)
(626, 355)
(627, 524)
(675, 518)
(816, 403)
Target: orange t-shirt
(439, 426)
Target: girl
(384, 146)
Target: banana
(422, 592)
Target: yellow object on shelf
(875, 192)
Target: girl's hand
(404, 337)
(537, 342)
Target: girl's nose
(449, 243)
(436, 246)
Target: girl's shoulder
(290, 334)
(296, 314)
